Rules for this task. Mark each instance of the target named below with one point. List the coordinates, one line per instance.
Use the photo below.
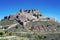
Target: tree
(24, 38)
(16, 27)
(2, 34)
(52, 39)
(40, 37)
(11, 33)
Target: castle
(24, 16)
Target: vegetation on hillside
(6, 22)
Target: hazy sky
(49, 8)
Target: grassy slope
(6, 22)
(52, 25)
(33, 36)
(18, 29)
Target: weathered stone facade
(24, 16)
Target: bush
(11, 33)
(3, 39)
(24, 38)
(40, 37)
(2, 34)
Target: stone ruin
(24, 16)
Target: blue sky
(49, 8)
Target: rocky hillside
(30, 22)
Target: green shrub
(24, 38)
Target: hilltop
(29, 22)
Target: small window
(40, 14)
(20, 10)
(5, 17)
(34, 15)
(28, 11)
(58, 26)
(16, 16)
(25, 10)
(5, 28)
(47, 25)
(8, 17)
(48, 18)
(16, 27)
(21, 23)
